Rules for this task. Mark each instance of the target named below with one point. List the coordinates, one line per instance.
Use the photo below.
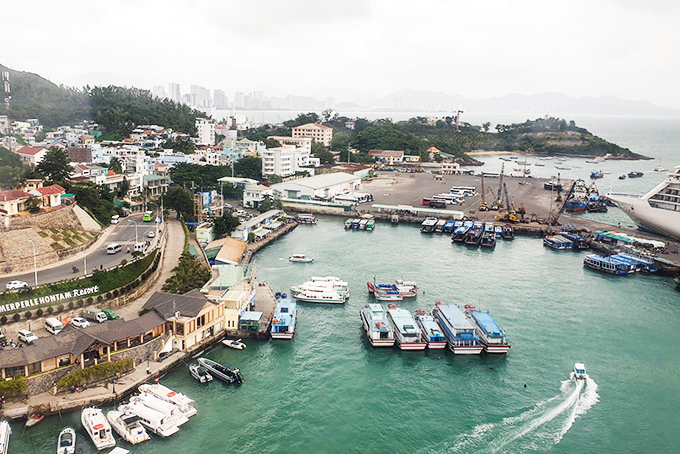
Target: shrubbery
(13, 388)
(96, 373)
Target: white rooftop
(323, 181)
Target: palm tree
(116, 165)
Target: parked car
(16, 285)
(25, 335)
(2, 335)
(151, 234)
(79, 322)
(110, 314)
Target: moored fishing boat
(394, 220)
(408, 289)
(646, 264)
(557, 242)
(608, 265)
(370, 225)
(362, 224)
(474, 235)
(285, 318)
(348, 224)
(491, 335)
(578, 242)
(406, 332)
(34, 419)
(432, 332)
(578, 200)
(385, 292)
(199, 373)
(222, 371)
(448, 227)
(498, 231)
(66, 443)
(305, 218)
(439, 226)
(377, 327)
(428, 225)
(127, 426)
(180, 400)
(5, 432)
(508, 232)
(97, 427)
(461, 334)
(460, 232)
(151, 419)
(489, 236)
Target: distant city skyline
(357, 50)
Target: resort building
(12, 202)
(299, 142)
(389, 157)
(318, 133)
(450, 168)
(50, 195)
(30, 155)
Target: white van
(113, 248)
(140, 247)
(115, 219)
(53, 325)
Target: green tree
(33, 204)
(55, 165)
(180, 200)
(319, 151)
(249, 167)
(224, 225)
(273, 179)
(180, 144)
(10, 177)
(302, 119)
(272, 143)
(189, 274)
(7, 158)
(265, 205)
(124, 188)
(116, 165)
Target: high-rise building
(159, 92)
(201, 96)
(173, 92)
(238, 100)
(206, 131)
(220, 100)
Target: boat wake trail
(536, 429)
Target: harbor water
(328, 391)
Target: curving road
(123, 233)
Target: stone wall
(43, 383)
(61, 217)
(141, 353)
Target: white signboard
(49, 299)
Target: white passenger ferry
(431, 330)
(376, 325)
(460, 333)
(406, 332)
(491, 335)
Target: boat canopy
(488, 323)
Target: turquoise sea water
(328, 391)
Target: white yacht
(5, 432)
(170, 411)
(66, 443)
(658, 211)
(98, 428)
(302, 258)
(127, 426)
(324, 295)
(153, 420)
(184, 403)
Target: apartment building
(206, 131)
(318, 133)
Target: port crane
(511, 216)
(482, 205)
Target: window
(180, 329)
(200, 321)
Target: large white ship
(658, 211)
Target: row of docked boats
(366, 222)
(480, 233)
(565, 240)
(322, 289)
(393, 292)
(464, 332)
(619, 264)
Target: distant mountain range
(542, 103)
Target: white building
(319, 133)
(206, 131)
(253, 196)
(323, 186)
(30, 155)
(284, 161)
(173, 91)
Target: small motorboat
(97, 427)
(199, 374)
(5, 432)
(622, 177)
(66, 443)
(127, 426)
(222, 371)
(580, 371)
(235, 344)
(302, 258)
(34, 419)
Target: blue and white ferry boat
(608, 265)
(644, 263)
(460, 230)
(431, 330)
(491, 335)
(285, 318)
(376, 325)
(460, 333)
(558, 242)
(406, 332)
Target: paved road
(123, 233)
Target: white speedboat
(203, 376)
(580, 371)
(66, 443)
(127, 426)
(184, 403)
(320, 295)
(408, 289)
(5, 432)
(153, 420)
(97, 427)
(235, 344)
(169, 410)
(658, 211)
(302, 258)
(222, 371)
(321, 284)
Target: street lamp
(135, 223)
(35, 263)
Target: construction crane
(495, 206)
(500, 184)
(482, 205)
(511, 216)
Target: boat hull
(381, 342)
(412, 345)
(436, 345)
(286, 336)
(656, 220)
(466, 349)
(497, 348)
(318, 301)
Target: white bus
(467, 191)
(451, 199)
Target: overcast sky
(477, 49)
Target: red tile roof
(6, 196)
(49, 190)
(386, 153)
(29, 151)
